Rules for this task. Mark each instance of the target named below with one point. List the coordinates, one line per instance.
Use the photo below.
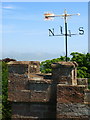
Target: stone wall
(56, 96)
(29, 91)
(23, 89)
(73, 111)
(70, 102)
(70, 92)
(36, 110)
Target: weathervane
(50, 16)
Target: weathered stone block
(34, 67)
(26, 90)
(87, 96)
(17, 82)
(35, 110)
(38, 86)
(18, 68)
(24, 67)
(28, 96)
(39, 96)
(18, 117)
(19, 96)
(82, 81)
(73, 110)
(70, 94)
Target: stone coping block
(22, 62)
(72, 118)
(70, 93)
(39, 80)
(64, 64)
(24, 67)
(18, 117)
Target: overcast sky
(25, 33)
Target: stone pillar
(65, 73)
(70, 96)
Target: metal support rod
(66, 38)
(65, 18)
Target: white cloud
(7, 7)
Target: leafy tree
(83, 60)
(6, 107)
(46, 65)
(8, 59)
(0, 90)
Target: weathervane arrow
(50, 16)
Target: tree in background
(8, 60)
(6, 107)
(46, 65)
(83, 60)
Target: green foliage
(0, 90)
(83, 60)
(6, 108)
(81, 73)
(46, 65)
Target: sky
(44, 0)
(88, 27)
(25, 32)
